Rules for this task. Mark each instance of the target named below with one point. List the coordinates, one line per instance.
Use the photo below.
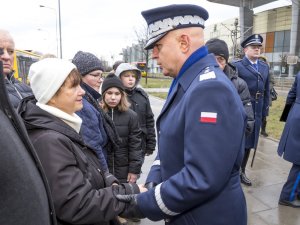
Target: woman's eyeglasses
(96, 75)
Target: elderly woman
(78, 185)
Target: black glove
(150, 185)
(131, 208)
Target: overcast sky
(102, 27)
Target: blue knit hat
(86, 62)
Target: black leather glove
(150, 185)
(131, 208)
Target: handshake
(131, 209)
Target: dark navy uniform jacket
(289, 144)
(258, 84)
(200, 148)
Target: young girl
(139, 100)
(126, 162)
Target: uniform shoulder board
(207, 74)
(262, 62)
(236, 60)
(140, 90)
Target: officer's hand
(142, 188)
(131, 208)
(150, 185)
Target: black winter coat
(242, 88)
(25, 196)
(77, 184)
(16, 90)
(141, 105)
(128, 158)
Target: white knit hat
(125, 67)
(47, 76)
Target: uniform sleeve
(75, 199)
(134, 145)
(154, 174)
(291, 97)
(266, 95)
(91, 132)
(210, 153)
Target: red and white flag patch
(208, 117)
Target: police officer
(256, 74)
(200, 129)
(289, 147)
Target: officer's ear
(185, 42)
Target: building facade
(275, 26)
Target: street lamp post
(59, 27)
(56, 37)
(59, 21)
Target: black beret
(161, 20)
(254, 39)
(110, 81)
(218, 47)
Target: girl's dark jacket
(141, 105)
(128, 158)
(78, 186)
(242, 88)
(97, 128)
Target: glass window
(278, 42)
(286, 43)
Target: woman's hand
(131, 178)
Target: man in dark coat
(264, 122)
(16, 90)
(24, 192)
(289, 147)
(220, 49)
(256, 74)
(200, 129)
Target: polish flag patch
(208, 117)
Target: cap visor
(151, 42)
(254, 43)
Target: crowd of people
(91, 134)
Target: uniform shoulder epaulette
(236, 60)
(207, 74)
(263, 62)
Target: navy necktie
(255, 66)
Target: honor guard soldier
(195, 176)
(256, 74)
(289, 146)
